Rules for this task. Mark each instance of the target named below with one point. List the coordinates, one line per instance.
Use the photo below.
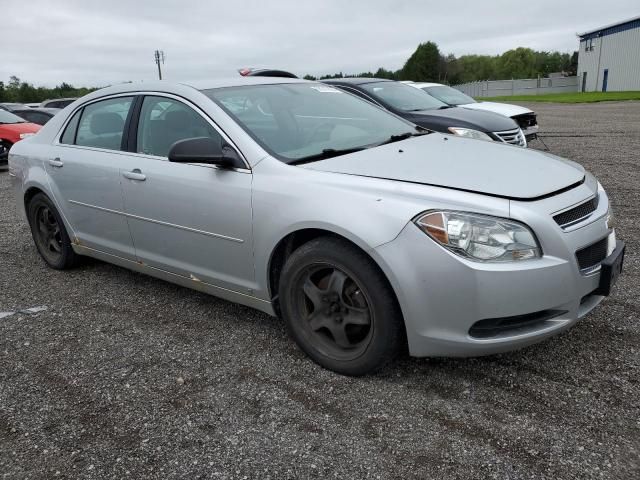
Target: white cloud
(88, 42)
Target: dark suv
(426, 111)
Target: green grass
(587, 97)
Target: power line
(159, 57)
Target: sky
(98, 43)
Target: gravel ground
(127, 376)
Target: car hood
(12, 131)
(461, 117)
(463, 164)
(501, 108)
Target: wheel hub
(337, 313)
(48, 232)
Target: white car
(524, 117)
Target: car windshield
(306, 120)
(8, 117)
(449, 95)
(403, 97)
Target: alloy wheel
(48, 233)
(334, 311)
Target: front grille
(526, 120)
(492, 327)
(513, 137)
(589, 258)
(577, 214)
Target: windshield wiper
(403, 136)
(326, 153)
(444, 107)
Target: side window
(69, 135)
(102, 123)
(36, 117)
(164, 121)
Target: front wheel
(339, 307)
(5, 146)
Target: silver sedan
(365, 233)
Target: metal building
(609, 57)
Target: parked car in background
(33, 105)
(429, 112)
(363, 231)
(37, 115)
(12, 130)
(57, 102)
(265, 72)
(524, 117)
(10, 106)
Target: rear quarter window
(69, 135)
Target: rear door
(84, 172)
(192, 220)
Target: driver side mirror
(204, 150)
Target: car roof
(356, 80)
(240, 81)
(52, 111)
(57, 99)
(13, 105)
(427, 84)
(183, 88)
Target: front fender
(369, 212)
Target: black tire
(5, 146)
(49, 234)
(339, 307)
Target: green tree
(383, 73)
(518, 63)
(25, 92)
(423, 65)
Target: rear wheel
(49, 234)
(339, 307)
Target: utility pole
(159, 57)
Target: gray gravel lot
(127, 376)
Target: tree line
(23, 92)
(428, 64)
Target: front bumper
(531, 133)
(443, 296)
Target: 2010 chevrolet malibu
(366, 233)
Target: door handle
(56, 162)
(135, 174)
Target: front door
(84, 172)
(191, 220)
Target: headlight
(610, 221)
(480, 237)
(25, 135)
(469, 133)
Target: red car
(12, 130)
